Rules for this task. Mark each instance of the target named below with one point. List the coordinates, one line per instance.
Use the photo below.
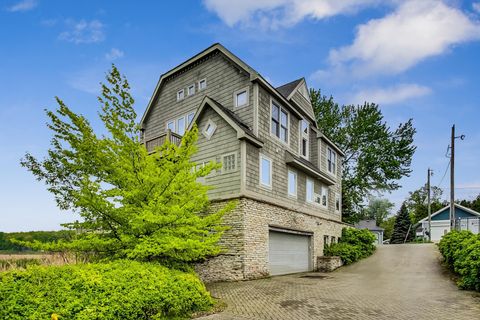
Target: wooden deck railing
(152, 143)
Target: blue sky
(417, 59)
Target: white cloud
(476, 6)
(390, 95)
(272, 14)
(114, 54)
(83, 32)
(416, 30)
(24, 5)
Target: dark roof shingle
(287, 88)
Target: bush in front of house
(116, 290)
(461, 251)
(354, 245)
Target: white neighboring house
(467, 219)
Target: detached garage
(466, 219)
(289, 252)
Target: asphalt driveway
(397, 282)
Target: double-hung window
(190, 118)
(310, 195)
(181, 126)
(279, 122)
(331, 161)
(265, 171)
(292, 183)
(304, 132)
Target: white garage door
(439, 229)
(288, 253)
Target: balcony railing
(152, 143)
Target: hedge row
(116, 290)
(354, 245)
(461, 250)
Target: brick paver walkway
(397, 282)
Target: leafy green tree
(472, 204)
(388, 225)
(378, 209)
(402, 229)
(417, 203)
(376, 157)
(133, 204)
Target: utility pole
(452, 177)
(452, 180)
(429, 206)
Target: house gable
(460, 212)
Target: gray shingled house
(285, 173)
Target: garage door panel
(288, 253)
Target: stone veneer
(245, 244)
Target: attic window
(180, 95)
(209, 129)
(191, 90)
(202, 84)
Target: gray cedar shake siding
(246, 243)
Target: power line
(444, 175)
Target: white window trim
(223, 161)
(178, 94)
(188, 90)
(313, 190)
(272, 101)
(261, 157)
(200, 88)
(247, 90)
(204, 131)
(293, 195)
(301, 136)
(337, 197)
(174, 125)
(323, 188)
(334, 173)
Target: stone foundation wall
(328, 264)
(246, 246)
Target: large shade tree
(132, 204)
(417, 203)
(378, 209)
(376, 156)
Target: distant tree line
(6, 243)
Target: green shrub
(116, 290)
(354, 245)
(461, 251)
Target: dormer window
(331, 161)
(279, 122)
(180, 94)
(202, 84)
(304, 133)
(191, 90)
